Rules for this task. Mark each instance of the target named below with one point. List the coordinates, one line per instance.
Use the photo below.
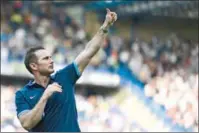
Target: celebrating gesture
(111, 17)
(39, 106)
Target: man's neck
(42, 80)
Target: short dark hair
(30, 56)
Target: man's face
(44, 63)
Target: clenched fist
(54, 87)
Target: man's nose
(51, 60)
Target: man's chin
(52, 71)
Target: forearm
(33, 117)
(91, 48)
(96, 42)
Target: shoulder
(22, 91)
(69, 73)
(62, 70)
(72, 67)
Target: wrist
(104, 28)
(46, 96)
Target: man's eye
(47, 58)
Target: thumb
(108, 10)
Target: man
(48, 104)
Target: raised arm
(96, 42)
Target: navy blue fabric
(60, 113)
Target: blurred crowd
(170, 70)
(178, 94)
(38, 23)
(9, 120)
(168, 67)
(104, 114)
(150, 59)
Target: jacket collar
(32, 83)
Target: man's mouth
(51, 66)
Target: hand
(111, 17)
(55, 87)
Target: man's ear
(33, 66)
